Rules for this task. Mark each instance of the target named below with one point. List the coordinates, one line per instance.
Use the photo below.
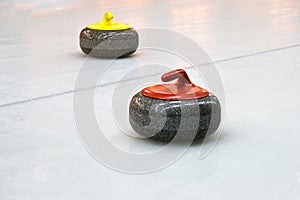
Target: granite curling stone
(158, 111)
(109, 39)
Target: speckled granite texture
(160, 119)
(109, 44)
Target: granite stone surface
(163, 119)
(109, 43)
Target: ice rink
(255, 46)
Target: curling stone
(157, 111)
(109, 39)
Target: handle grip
(179, 74)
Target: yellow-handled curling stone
(109, 39)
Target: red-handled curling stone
(163, 110)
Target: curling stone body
(141, 113)
(108, 39)
(163, 118)
(108, 43)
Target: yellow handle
(107, 23)
(107, 19)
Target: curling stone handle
(179, 74)
(107, 18)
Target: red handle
(183, 89)
(179, 74)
